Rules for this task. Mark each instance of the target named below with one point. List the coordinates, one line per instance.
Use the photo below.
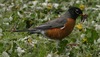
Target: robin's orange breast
(60, 33)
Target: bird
(58, 28)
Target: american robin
(58, 28)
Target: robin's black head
(75, 12)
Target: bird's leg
(57, 46)
(57, 43)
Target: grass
(15, 14)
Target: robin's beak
(83, 17)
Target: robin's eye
(77, 11)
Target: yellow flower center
(79, 26)
(82, 7)
(84, 40)
(49, 6)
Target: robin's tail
(30, 31)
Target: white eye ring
(76, 11)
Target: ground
(84, 41)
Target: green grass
(15, 14)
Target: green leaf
(91, 35)
(1, 47)
(62, 46)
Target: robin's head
(75, 12)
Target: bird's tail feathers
(30, 31)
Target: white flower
(93, 22)
(77, 1)
(85, 22)
(20, 51)
(23, 39)
(44, 4)
(6, 19)
(98, 16)
(34, 3)
(1, 34)
(55, 5)
(10, 18)
(3, 9)
(10, 7)
(5, 54)
(39, 8)
(0, 15)
(2, 5)
(77, 47)
(6, 23)
(50, 55)
(21, 1)
(82, 35)
(63, 8)
(98, 6)
(71, 3)
(97, 27)
(0, 30)
(94, 8)
(98, 41)
(25, 6)
(95, 42)
(47, 1)
(19, 14)
(33, 43)
(53, 55)
(28, 40)
(91, 8)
